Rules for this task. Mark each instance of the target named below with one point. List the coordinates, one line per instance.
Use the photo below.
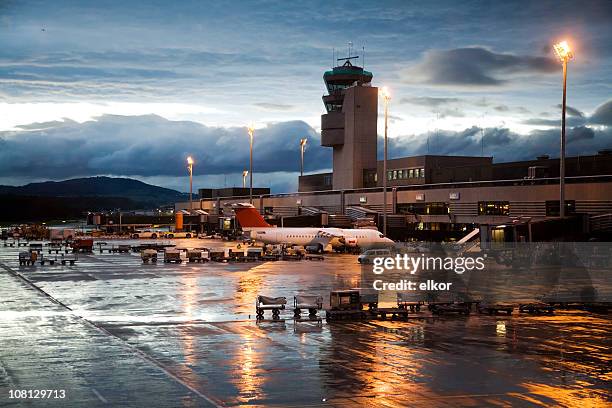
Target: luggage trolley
(275, 304)
(312, 303)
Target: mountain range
(72, 198)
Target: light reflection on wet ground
(195, 322)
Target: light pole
(386, 97)
(251, 131)
(564, 53)
(190, 168)
(303, 143)
(245, 173)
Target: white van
(179, 234)
(145, 234)
(367, 256)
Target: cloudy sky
(129, 88)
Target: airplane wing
(326, 237)
(328, 234)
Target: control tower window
(333, 107)
(331, 88)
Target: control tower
(349, 126)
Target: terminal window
(369, 178)
(405, 174)
(440, 208)
(411, 208)
(436, 209)
(493, 208)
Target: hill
(144, 194)
(71, 199)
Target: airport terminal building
(429, 196)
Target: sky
(131, 88)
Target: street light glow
(245, 173)
(190, 168)
(384, 92)
(303, 142)
(563, 51)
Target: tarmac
(110, 331)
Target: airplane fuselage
(259, 230)
(337, 237)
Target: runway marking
(135, 350)
(100, 397)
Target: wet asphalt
(111, 331)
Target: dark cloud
(274, 106)
(575, 117)
(392, 118)
(501, 108)
(475, 67)
(501, 143)
(569, 121)
(153, 146)
(572, 111)
(449, 106)
(603, 114)
(453, 113)
(507, 109)
(152, 73)
(154, 149)
(429, 101)
(580, 133)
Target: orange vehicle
(82, 245)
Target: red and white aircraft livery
(251, 221)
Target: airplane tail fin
(249, 217)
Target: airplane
(323, 238)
